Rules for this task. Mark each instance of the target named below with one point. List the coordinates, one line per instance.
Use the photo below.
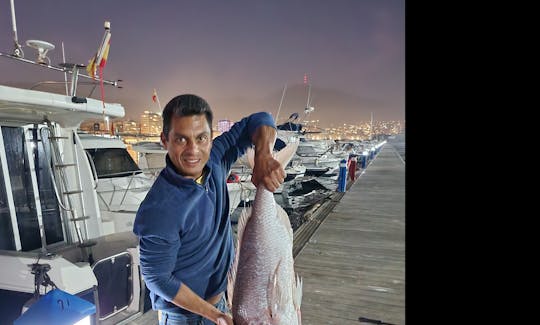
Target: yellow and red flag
(91, 67)
(100, 58)
(105, 54)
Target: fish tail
(284, 156)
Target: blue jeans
(180, 319)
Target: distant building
(129, 126)
(98, 126)
(224, 125)
(151, 123)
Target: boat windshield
(113, 162)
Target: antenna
(42, 47)
(17, 51)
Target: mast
(308, 95)
(371, 128)
(281, 102)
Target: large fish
(263, 287)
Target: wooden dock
(353, 266)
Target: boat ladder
(72, 194)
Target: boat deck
(353, 266)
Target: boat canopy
(32, 106)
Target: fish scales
(263, 284)
(265, 281)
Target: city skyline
(239, 55)
(149, 124)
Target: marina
(89, 247)
(351, 250)
(68, 200)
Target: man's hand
(267, 171)
(225, 320)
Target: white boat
(51, 219)
(150, 156)
(121, 185)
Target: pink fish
(263, 287)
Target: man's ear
(163, 140)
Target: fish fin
(297, 293)
(297, 296)
(231, 279)
(282, 214)
(231, 276)
(250, 155)
(274, 295)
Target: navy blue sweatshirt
(184, 228)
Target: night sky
(237, 54)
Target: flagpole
(159, 104)
(155, 98)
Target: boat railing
(116, 189)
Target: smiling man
(185, 239)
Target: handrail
(127, 188)
(60, 203)
(125, 173)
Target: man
(185, 239)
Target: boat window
(21, 186)
(6, 231)
(113, 162)
(23, 191)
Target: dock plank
(354, 264)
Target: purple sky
(238, 54)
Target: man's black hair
(185, 105)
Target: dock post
(352, 167)
(363, 160)
(342, 181)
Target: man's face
(188, 144)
